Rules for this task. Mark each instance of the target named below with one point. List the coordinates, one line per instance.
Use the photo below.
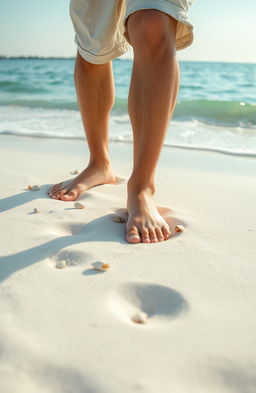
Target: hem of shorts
(117, 51)
(186, 41)
(167, 8)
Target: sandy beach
(72, 329)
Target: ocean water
(216, 107)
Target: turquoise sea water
(216, 107)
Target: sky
(223, 30)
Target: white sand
(70, 330)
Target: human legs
(95, 92)
(152, 97)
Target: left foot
(92, 176)
(144, 223)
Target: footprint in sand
(65, 229)
(69, 257)
(147, 304)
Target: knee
(151, 31)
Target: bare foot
(144, 223)
(90, 177)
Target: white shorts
(100, 26)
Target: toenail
(134, 237)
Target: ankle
(140, 187)
(101, 163)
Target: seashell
(29, 187)
(140, 317)
(118, 219)
(100, 266)
(78, 205)
(179, 228)
(71, 263)
(35, 188)
(75, 172)
(36, 210)
(61, 265)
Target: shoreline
(117, 140)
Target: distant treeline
(43, 58)
(35, 57)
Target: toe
(53, 190)
(133, 235)
(70, 196)
(57, 194)
(60, 193)
(55, 187)
(145, 236)
(53, 194)
(152, 234)
(166, 232)
(159, 235)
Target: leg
(152, 96)
(95, 92)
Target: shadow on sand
(102, 229)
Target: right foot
(90, 177)
(145, 224)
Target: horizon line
(29, 57)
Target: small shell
(179, 228)
(61, 265)
(78, 205)
(75, 172)
(36, 210)
(71, 263)
(140, 317)
(118, 219)
(100, 266)
(35, 188)
(29, 187)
